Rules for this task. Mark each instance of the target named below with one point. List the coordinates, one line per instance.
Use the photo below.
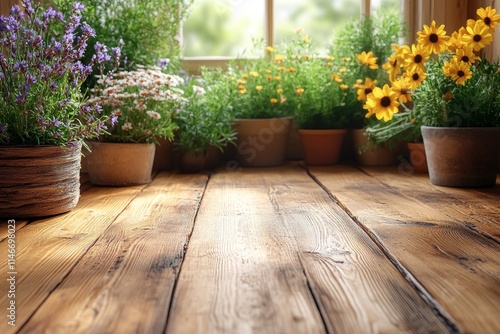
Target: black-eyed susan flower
(299, 91)
(466, 54)
(365, 89)
(489, 16)
(401, 87)
(455, 42)
(292, 69)
(273, 100)
(415, 78)
(458, 71)
(368, 59)
(279, 58)
(478, 35)
(393, 67)
(382, 102)
(417, 57)
(433, 38)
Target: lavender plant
(41, 74)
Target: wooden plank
(453, 264)
(6, 224)
(48, 249)
(125, 281)
(478, 209)
(268, 246)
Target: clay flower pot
(37, 181)
(261, 142)
(417, 157)
(462, 157)
(120, 164)
(370, 155)
(322, 147)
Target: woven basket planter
(37, 181)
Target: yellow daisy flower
(299, 91)
(281, 68)
(292, 69)
(273, 100)
(417, 57)
(269, 49)
(458, 71)
(368, 59)
(344, 87)
(466, 54)
(336, 77)
(432, 38)
(455, 42)
(393, 67)
(279, 58)
(402, 88)
(382, 102)
(258, 88)
(414, 78)
(330, 58)
(478, 35)
(279, 90)
(365, 89)
(254, 74)
(489, 17)
(277, 78)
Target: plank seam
(436, 308)
(184, 251)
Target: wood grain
(48, 249)
(124, 283)
(456, 266)
(270, 249)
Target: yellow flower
(414, 78)
(241, 82)
(382, 102)
(336, 77)
(466, 54)
(432, 38)
(330, 58)
(279, 58)
(458, 71)
(344, 86)
(478, 36)
(269, 49)
(254, 74)
(306, 39)
(244, 76)
(489, 17)
(402, 88)
(296, 56)
(269, 77)
(393, 67)
(283, 99)
(292, 69)
(277, 78)
(242, 91)
(346, 59)
(273, 100)
(365, 89)
(455, 42)
(258, 88)
(279, 90)
(342, 69)
(306, 57)
(281, 68)
(268, 71)
(368, 59)
(416, 58)
(299, 91)
(329, 64)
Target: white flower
(199, 90)
(153, 114)
(127, 126)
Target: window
(222, 29)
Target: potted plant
(44, 117)
(456, 97)
(260, 108)
(204, 124)
(140, 105)
(316, 100)
(362, 52)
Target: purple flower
(56, 122)
(20, 66)
(113, 120)
(163, 63)
(68, 39)
(57, 135)
(101, 55)
(78, 7)
(53, 86)
(64, 103)
(87, 30)
(116, 52)
(31, 79)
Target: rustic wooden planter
(37, 181)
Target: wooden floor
(280, 250)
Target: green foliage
(439, 101)
(148, 28)
(377, 34)
(206, 120)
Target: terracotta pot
(192, 163)
(322, 147)
(294, 149)
(417, 157)
(164, 155)
(370, 155)
(261, 142)
(120, 164)
(462, 157)
(37, 181)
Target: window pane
(320, 19)
(392, 5)
(223, 27)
